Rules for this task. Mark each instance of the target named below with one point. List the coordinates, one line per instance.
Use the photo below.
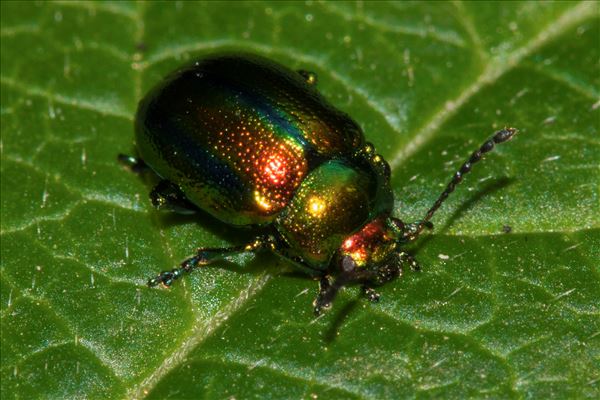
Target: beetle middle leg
(167, 196)
(206, 255)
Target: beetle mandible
(253, 143)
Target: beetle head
(372, 250)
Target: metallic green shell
(239, 134)
(334, 200)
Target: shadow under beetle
(253, 143)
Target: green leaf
(492, 314)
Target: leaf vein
(201, 330)
(102, 107)
(448, 37)
(95, 6)
(495, 68)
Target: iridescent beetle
(254, 144)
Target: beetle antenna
(413, 230)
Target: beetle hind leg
(205, 256)
(167, 196)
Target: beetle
(254, 144)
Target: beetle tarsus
(370, 294)
(406, 259)
(328, 291)
(154, 281)
(135, 164)
(165, 278)
(322, 303)
(324, 298)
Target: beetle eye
(348, 264)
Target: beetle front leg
(323, 299)
(205, 256)
(396, 268)
(405, 259)
(329, 290)
(388, 273)
(325, 296)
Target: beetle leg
(370, 293)
(309, 76)
(324, 285)
(135, 164)
(406, 259)
(328, 291)
(167, 196)
(205, 256)
(368, 278)
(388, 273)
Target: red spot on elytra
(276, 169)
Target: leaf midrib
(492, 71)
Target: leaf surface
(492, 314)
